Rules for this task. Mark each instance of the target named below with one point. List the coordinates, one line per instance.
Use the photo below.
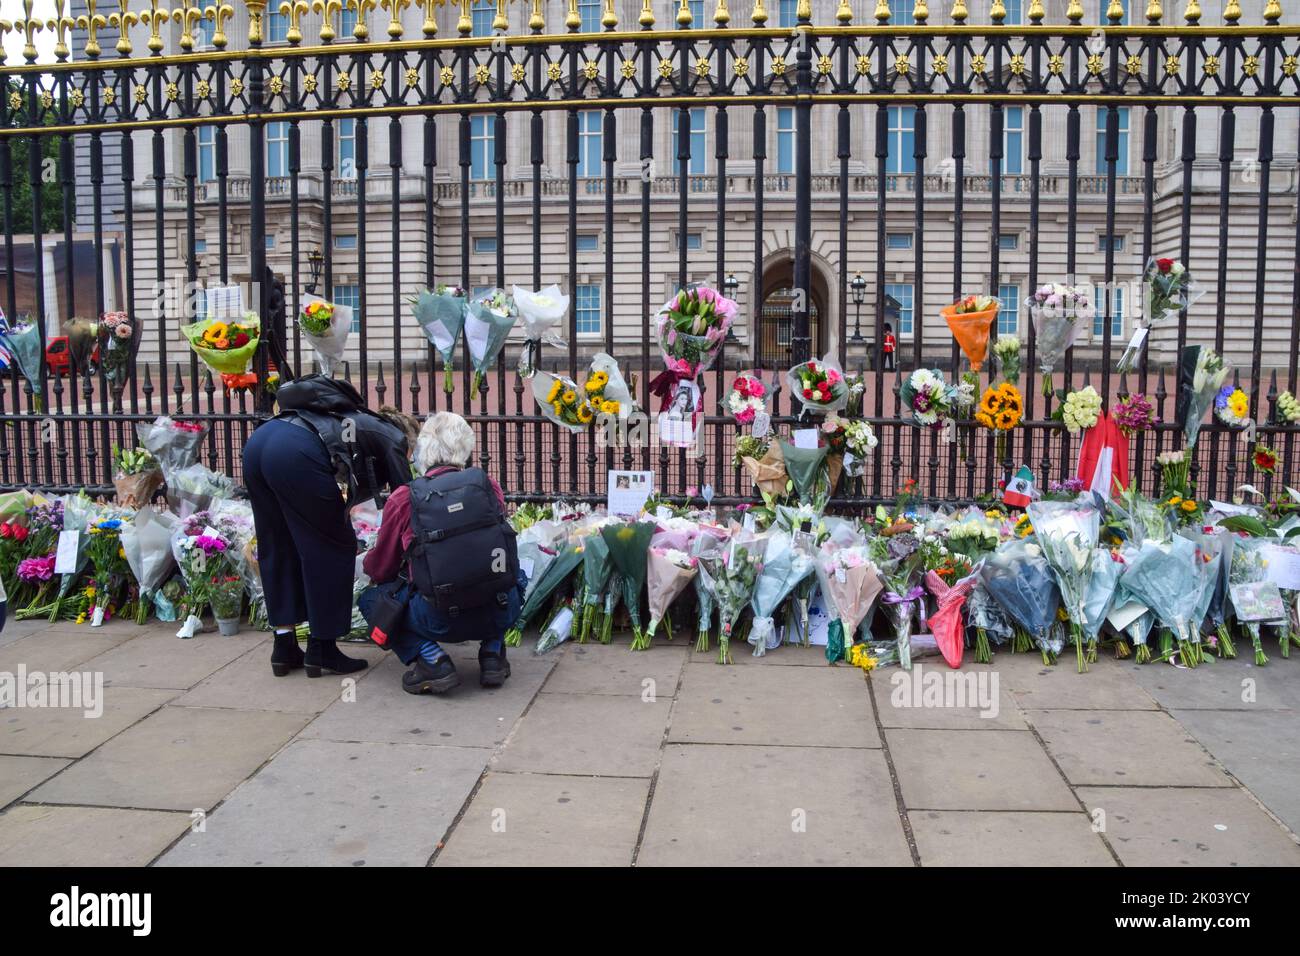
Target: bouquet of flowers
(174, 444)
(1168, 288)
(1000, 410)
(1080, 410)
(818, 385)
(628, 547)
(118, 339)
(225, 347)
(1059, 313)
(542, 587)
(1099, 598)
(1222, 544)
(108, 561)
(225, 591)
(136, 476)
(1248, 565)
(1021, 581)
(78, 513)
(597, 567)
(692, 326)
(704, 546)
(540, 312)
(1007, 351)
(146, 542)
(807, 471)
(668, 572)
(557, 630)
(560, 400)
(928, 396)
(971, 318)
(201, 555)
(946, 623)
(972, 535)
(1199, 388)
(730, 574)
(12, 538)
(1288, 409)
(784, 568)
(850, 583)
(901, 560)
(1264, 459)
(37, 576)
(23, 343)
(859, 441)
(326, 326)
(745, 400)
(83, 335)
(1164, 577)
(1134, 413)
(441, 314)
(988, 618)
(488, 321)
(195, 487)
(606, 391)
(1232, 406)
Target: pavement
(596, 755)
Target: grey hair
(445, 439)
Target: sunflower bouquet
(225, 347)
(1000, 410)
(560, 400)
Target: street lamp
(731, 286)
(315, 259)
(859, 287)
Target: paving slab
(903, 701)
(995, 838)
(20, 774)
(976, 770)
(468, 716)
(1107, 685)
(180, 758)
(85, 836)
(162, 659)
(326, 803)
(1230, 684)
(50, 650)
(1218, 826)
(588, 734)
(743, 653)
(614, 669)
(248, 684)
(67, 731)
(741, 805)
(1260, 749)
(807, 707)
(519, 819)
(1125, 748)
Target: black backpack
(462, 555)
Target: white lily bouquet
(541, 312)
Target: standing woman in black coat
(304, 469)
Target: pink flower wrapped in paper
(850, 583)
(668, 572)
(692, 326)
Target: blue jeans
(427, 625)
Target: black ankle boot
(326, 656)
(286, 655)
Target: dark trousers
(425, 624)
(305, 544)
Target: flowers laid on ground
(136, 476)
(745, 400)
(1288, 409)
(540, 311)
(970, 319)
(441, 314)
(928, 396)
(692, 326)
(224, 347)
(818, 385)
(1080, 410)
(1134, 413)
(1232, 407)
(1059, 313)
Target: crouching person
(447, 551)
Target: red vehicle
(58, 358)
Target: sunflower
(556, 385)
(984, 418)
(584, 413)
(215, 331)
(1007, 420)
(610, 407)
(569, 397)
(600, 378)
(1175, 501)
(1188, 506)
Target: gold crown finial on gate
(721, 15)
(759, 16)
(1193, 12)
(1036, 11)
(464, 23)
(882, 11)
(293, 9)
(92, 23)
(959, 13)
(1232, 11)
(1115, 11)
(998, 13)
(256, 10)
(1272, 11)
(219, 14)
(29, 26)
(328, 10)
(430, 25)
(122, 22)
(61, 24)
(188, 17)
(647, 18)
(394, 8)
(1074, 11)
(155, 17)
(920, 12)
(362, 8)
(683, 14)
(1154, 13)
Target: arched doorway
(776, 319)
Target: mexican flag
(1020, 489)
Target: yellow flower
(569, 397)
(1061, 615)
(555, 390)
(609, 408)
(600, 378)
(1189, 506)
(860, 657)
(1175, 500)
(584, 413)
(217, 330)
(1239, 404)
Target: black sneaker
(493, 668)
(426, 678)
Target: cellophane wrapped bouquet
(692, 326)
(1021, 581)
(1067, 532)
(784, 568)
(850, 583)
(1059, 313)
(901, 563)
(730, 575)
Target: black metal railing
(479, 137)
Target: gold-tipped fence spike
(1232, 12)
(362, 8)
(219, 14)
(1036, 11)
(920, 12)
(293, 9)
(610, 19)
(430, 26)
(573, 19)
(122, 21)
(92, 22)
(500, 22)
(683, 13)
(803, 11)
(1154, 13)
(1272, 11)
(1115, 11)
(188, 17)
(998, 12)
(844, 13)
(256, 11)
(647, 18)
(959, 12)
(882, 11)
(328, 10)
(29, 26)
(1193, 12)
(155, 17)
(61, 24)
(394, 8)
(464, 23)
(759, 16)
(1074, 11)
(721, 15)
